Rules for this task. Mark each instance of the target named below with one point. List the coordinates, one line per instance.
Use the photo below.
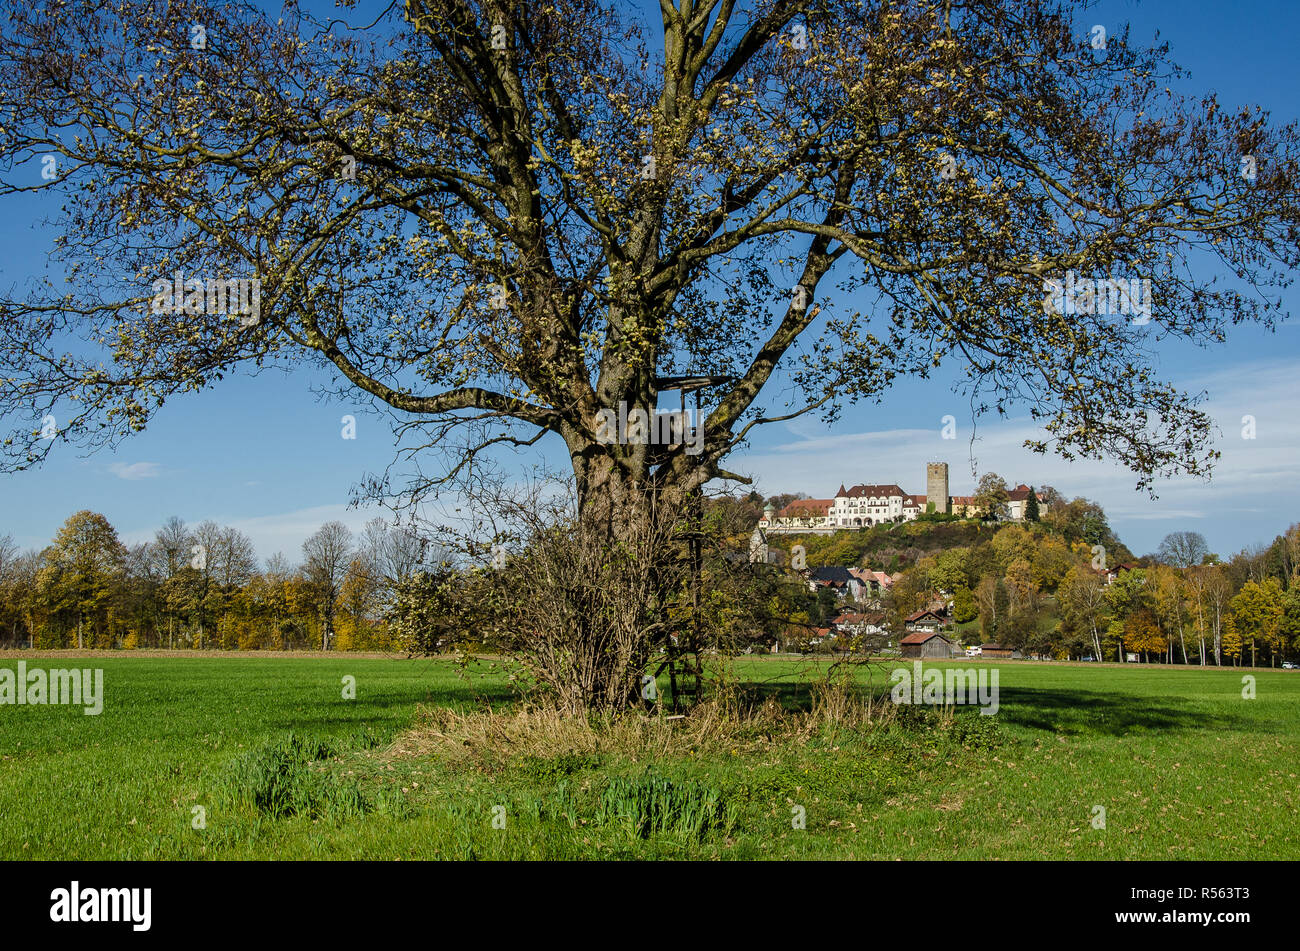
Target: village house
(842, 581)
(859, 624)
(1112, 573)
(1018, 502)
(925, 620)
(874, 584)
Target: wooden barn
(925, 644)
(1000, 650)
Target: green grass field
(1184, 767)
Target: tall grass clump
(653, 805)
(646, 806)
(281, 779)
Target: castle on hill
(863, 506)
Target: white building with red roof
(863, 506)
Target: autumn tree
(994, 607)
(1169, 605)
(1051, 561)
(991, 495)
(172, 542)
(1183, 549)
(16, 585)
(1195, 582)
(140, 595)
(951, 570)
(1231, 642)
(908, 594)
(1142, 633)
(1021, 586)
(1126, 596)
(359, 605)
(499, 222)
(1116, 632)
(1218, 595)
(1258, 610)
(1082, 520)
(82, 568)
(1290, 625)
(1011, 543)
(1083, 597)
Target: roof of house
(917, 615)
(871, 491)
(833, 573)
(994, 647)
(805, 508)
(865, 576)
(920, 637)
(1020, 493)
(963, 500)
(857, 617)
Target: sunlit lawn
(1183, 766)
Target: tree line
(1060, 584)
(1032, 589)
(203, 587)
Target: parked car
(1290, 665)
(1087, 660)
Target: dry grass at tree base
(489, 739)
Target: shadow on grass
(395, 707)
(1081, 712)
(1075, 712)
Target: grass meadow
(281, 765)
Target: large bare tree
(499, 220)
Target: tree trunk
(624, 509)
(1218, 638)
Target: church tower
(936, 487)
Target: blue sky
(264, 455)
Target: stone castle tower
(936, 486)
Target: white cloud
(135, 470)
